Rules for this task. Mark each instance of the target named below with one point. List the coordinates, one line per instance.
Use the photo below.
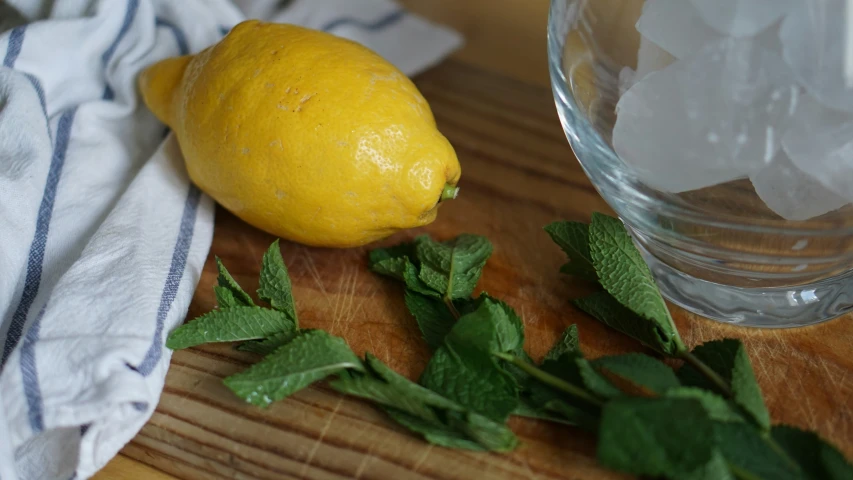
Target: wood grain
(519, 174)
(503, 36)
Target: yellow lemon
(305, 135)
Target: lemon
(308, 136)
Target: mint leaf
(275, 286)
(398, 262)
(526, 408)
(547, 402)
(435, 433)
(753, 455)
(418, 409)
(226, 281)
(718, 408)
(716, 469)
(606, 309)
(230, 325)
(568, 342)
(509, 328)
(269, 344)
(594, 381)
(463, 368)
(225, 297)
(472, 379)
(641, 370)
(729, 359)
(386, 387)
(816, 458)
(493, 436)
(434, 319)
(625, 275)
(573, 238)
(311, 356)
(672, 438)
(453, 267)
(462, 428)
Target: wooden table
(518, 175)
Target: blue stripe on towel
(35, 261)
(180, 38)
(16, 41)
(36, 258)
(173, 279)
(129, 15)
(383, 22)
(29, 375)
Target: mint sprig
(703, 421)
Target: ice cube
(650, 58)
(740, 18)
(675, 26)
(820, 141)
(706, 120)
(812, 37)
(792, 193)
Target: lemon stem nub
(449, 193)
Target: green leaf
(399, 263)
(463, 368)
(816, 458)
(225, 297)
(641, 370)
(435, 433)
(275, 286)
(386, 387)
(550, 402)
(526, 408)
(718, 408)
(625, 275)
(594, 381)
(311, 356)
(573, 238)
(418, 409)
(508, 325)
(471, 378)
(402, 250)
(567, 343)
(434, 319)
(269, 344)
(752, 455)
(716, 469)
(606, 309)
(453, 267)
(494, 436)
(729, 359)
(230, 325)
(666, 437)
(226, 281)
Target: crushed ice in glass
(714, 118)
(820, 141)
(791, 193)
(729, 89)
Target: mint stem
(710, 374)
(449, 302)
(550, 380)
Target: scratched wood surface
(519, 174)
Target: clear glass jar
(722, 135)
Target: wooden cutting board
(519, 175)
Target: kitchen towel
(102, 236)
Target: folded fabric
(102, 236)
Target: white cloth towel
(102, 237)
